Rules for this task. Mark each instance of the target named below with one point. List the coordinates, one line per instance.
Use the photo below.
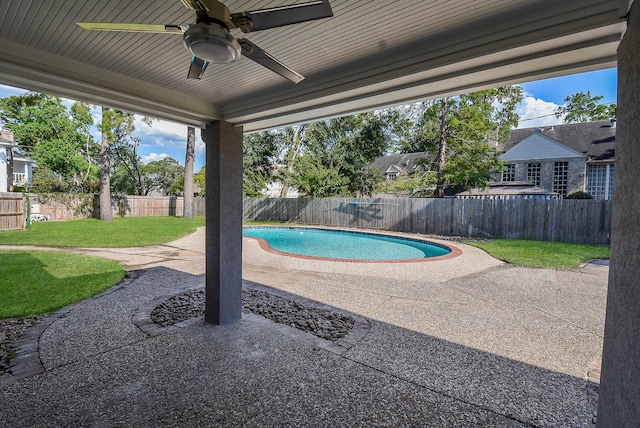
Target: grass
(37, 282)
(541, 254)
(93, 233)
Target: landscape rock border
(312, 322)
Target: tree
(127, 171)
(336, 153)
(57, 137)
(116, 125)
(259, 157)
(188, 173)
(127, 175)
(87, 178)
(164, 176)
(200, 180)
(460, 136)
(291, 156)
(583, 107)
(315, 180)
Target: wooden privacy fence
(199, 206)
(577, 221)
(66, 207)
(12, 211)
(142, 206)
(137, 206)
(88, 205)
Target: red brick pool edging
(454, 251)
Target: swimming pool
(341, 245)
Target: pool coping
(264, 245)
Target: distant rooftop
(403, 163)
(595, 139)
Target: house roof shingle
(403, 162)
(595, 139)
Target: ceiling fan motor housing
(212, 43)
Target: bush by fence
(577, 221)
(62, 206)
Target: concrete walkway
(468, 341)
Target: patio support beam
(619, 401)
(223, 293)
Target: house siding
(539, 147)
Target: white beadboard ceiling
(371, 53)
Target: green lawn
(541, 254)
(91, 233)
(37, 282)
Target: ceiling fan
(209, 39)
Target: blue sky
(602, 82)
(542, 97)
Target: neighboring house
(275, 187)
(394, 166)
(541, 162)
(564, 158)
(12, 159)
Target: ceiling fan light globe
(212, 43)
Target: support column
(619, 402)
(223, 293)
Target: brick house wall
(575, 174)
(581, 145)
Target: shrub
(578, 195)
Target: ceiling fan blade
(256, 54)
(281, 16)
(196, 5)
(141, 28)
(197, 68)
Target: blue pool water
(336, 244)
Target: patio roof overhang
(368, 55)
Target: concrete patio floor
(468, 341)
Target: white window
(600, 181)
(560, 177)
(19, 179)
(533, 173)
(509, 173)
(392, 175)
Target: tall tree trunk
(442, 150)
(105, 165)
(188, 172)
(10, 169)
(295, 148)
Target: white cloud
(163, 133)
(151, 157)
(161, 127)
(536, 112)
